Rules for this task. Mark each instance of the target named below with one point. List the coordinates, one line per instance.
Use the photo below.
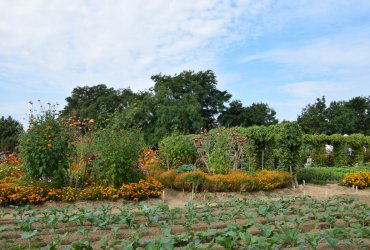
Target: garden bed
(281, 217)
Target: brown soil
(178, 199)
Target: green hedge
(324, 175)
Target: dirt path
(178, 199)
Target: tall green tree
(186, 102)
(342, 117)
(256, 114)
(313, 119)
(97, 102)
(9, 131)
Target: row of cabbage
(280, 222)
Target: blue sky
(284, 53)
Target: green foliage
(117, 156)
(218, 146)
(256, 114)
(9, 131)
(176, 150)
(342, 117)
(97, 102)
(341, 155)
(186, 102)
(324, 175)
(186, 168)
(290, 141)
(45, 147)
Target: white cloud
(113, 42)
(309, 89)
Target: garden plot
(277, 223)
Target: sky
(284, 53)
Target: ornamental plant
(176, 150)
(357, 179)
(117, 156)
(144, 189)
(44, 147)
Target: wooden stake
(304, 183)
(163, 195)
(192, 192)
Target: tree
(9, 131)
(233, 116)
(361, 111)
(260, 114)
(256, 114)
(97, 101)
(341, 117)
(313, 119)
(186, 102)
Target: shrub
(358, 179)
(44, 148)
(241, 181)
(323, 175)
(117, 157)
(144, 189)
(189, 180)
(186, 168)
(168, 178)
(269, 180)
(176, 150)
(217, 183)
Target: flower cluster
(144, 189)
(357, 179)
(99, 193)
(32, 194)
(11, 159)
(149, 158)
(232, 182)
(20, 195)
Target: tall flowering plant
(44, 147)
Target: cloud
(309, 89)
(123, 42)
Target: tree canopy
(342, 117)
(256, 114)
(96, 101)
(190, 101)
(9, 131)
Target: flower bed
(11, 194)
(234, 181)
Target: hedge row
(265, 148)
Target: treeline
(189, 102)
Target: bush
(168, 178)
(269, 180)
(234, 181)
(44, 148)
(176, 150)
(117, 157)
(189, 180)
(324, 175)
(357, 179)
